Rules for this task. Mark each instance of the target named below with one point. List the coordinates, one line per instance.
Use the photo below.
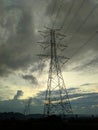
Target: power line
(59, 11)
(55, 3)
(78, 29)
(53, 9)
(68, 13)
(75, 15)
(57, 14)
(85, 20)
(85, 43)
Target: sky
(23, 76)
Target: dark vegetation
(17, 120)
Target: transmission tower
(27, 107)
(56, 98)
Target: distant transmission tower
(56, 98)
(27, 107)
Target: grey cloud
(32, 102)
(87, 103)
(18, 25)
(88, 66)
(94, 1)
(17, 39)
(18, 94)
(19, 106)
(83, 96)
(87, 14)
(37, 100)
(38, 66)
(86, 84)
(82, 104)
(30, 78)
(73, 90)
(11, 106)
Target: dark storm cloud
(39, 66)
(79, 24)
(17, 25)
(30, 78)
(18, 94)
(82, 6)
(17, 35)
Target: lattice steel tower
(56, 98)
(27, 107)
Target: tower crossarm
(43, 55)
(43, 42)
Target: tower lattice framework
(56, 98)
